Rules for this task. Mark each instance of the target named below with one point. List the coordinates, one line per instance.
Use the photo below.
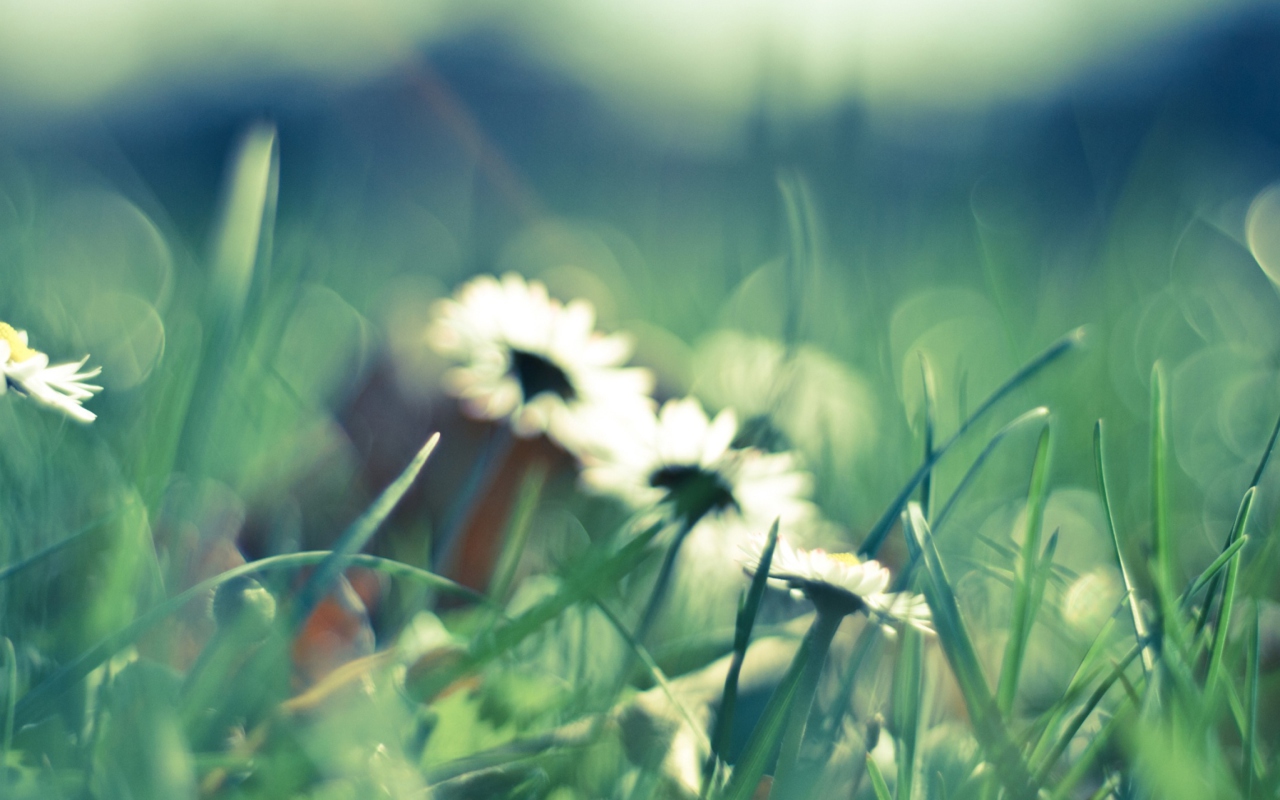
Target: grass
(117, 682)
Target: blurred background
(968, 181)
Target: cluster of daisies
(61, 387)
(539, 364)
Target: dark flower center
(537, 375)
(693, 491)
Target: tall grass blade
(1140, 630)
(1161, 543)
(877, 781)
(1026, 577)
(10, 701)
(1252, 664)
(356, 537)
(241, 239)
(880, 531)
(517, 532)
(769, 730)
(747, 612)
(963, 658)
(1228, 596)
(930, 417)
(908, 686)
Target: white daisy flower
(683, 459)
(526, 357)
(840, 582)
(61, 386)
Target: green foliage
(605, 656)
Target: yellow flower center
(849, 559)
(18, 349)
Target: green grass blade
(356, 537)
(596, 570)
(1086, 672)
(39, 701)
(930, 417)
(517, 532)
(1161, 544)
(880, 531)
(1025, 577)
(246, 215)
(1211, 572)
(1228, 597)
(1033, 415)
(877, 781)
(659, 677)
(1140, 630)
(10, 701)
(1252, 663)
(767, 732)
(1232, 536)
(1081, 766)
(963, 658)
(908, 685)
(747, 611)
(1212, 593)
(9, 570)
(1073, 727)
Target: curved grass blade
(961, 655)
(880, 531)
(1140, 631)
(1026, 577)
(38, 702)
(877, 780)
(747, 611)
(356, 537)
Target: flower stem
(817, 642)
(663, 581)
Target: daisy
(682, 459)
(528, 358)
(61, 386)
(841, 583)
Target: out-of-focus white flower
(682, 459)
(529, 358)
(842, 582)
(61, 386)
